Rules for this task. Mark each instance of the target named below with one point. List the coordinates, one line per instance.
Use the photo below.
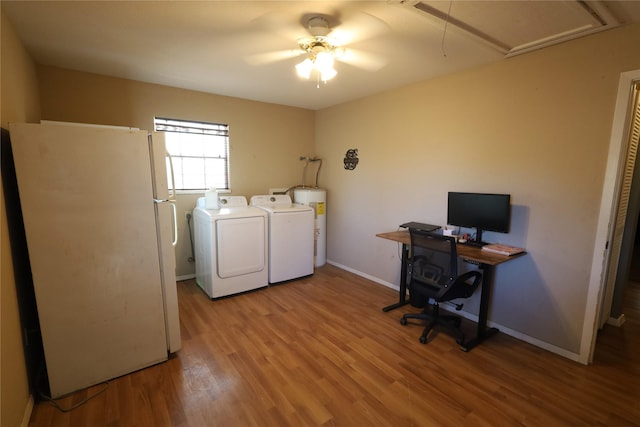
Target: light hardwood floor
(320, 352)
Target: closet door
(623, 207)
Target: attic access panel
(514, 27)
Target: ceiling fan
(323, 45)
(321, 50)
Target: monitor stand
(478, 243)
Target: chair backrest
(434, 262)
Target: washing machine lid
(293, 208)
(231, 207)
(231, 213)
(226, 213)
(277, 203)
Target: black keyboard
(420, 226)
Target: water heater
(317, 199)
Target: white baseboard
(617, 322)
(185, 277)
(366, 276)
(515, 334)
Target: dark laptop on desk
(420, 226)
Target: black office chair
(433, 275)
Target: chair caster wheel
(403, 321)
(423, 340)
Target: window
(200, 153)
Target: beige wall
(536, 126)
(266, 140)
(19, 103)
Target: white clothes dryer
(230, 247)
(291, 237)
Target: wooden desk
(486, 261)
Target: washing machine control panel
(271, 200)
(233, 201)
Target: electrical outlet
(187, 215)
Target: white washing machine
(291, 237)
(230, 247)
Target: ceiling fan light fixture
(327, 74)
(304, 68)
(324, 65)
(324, 61)
(321, 63)
(321, 58)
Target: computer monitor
(484, 212)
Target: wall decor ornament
(351, 159)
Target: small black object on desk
(420, 226)
(474, 243)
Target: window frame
(193, 127)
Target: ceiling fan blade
(270, 57)
(281, 24)
(359, 27)
(358, 58)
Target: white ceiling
(229, 47)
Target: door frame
(600, 291)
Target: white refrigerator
(100, 230)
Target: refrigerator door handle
(172, 191)
(175, 218)
(175, 223)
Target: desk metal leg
(402, 300)
(485, 296)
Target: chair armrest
(476, 275)
(462, 287)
